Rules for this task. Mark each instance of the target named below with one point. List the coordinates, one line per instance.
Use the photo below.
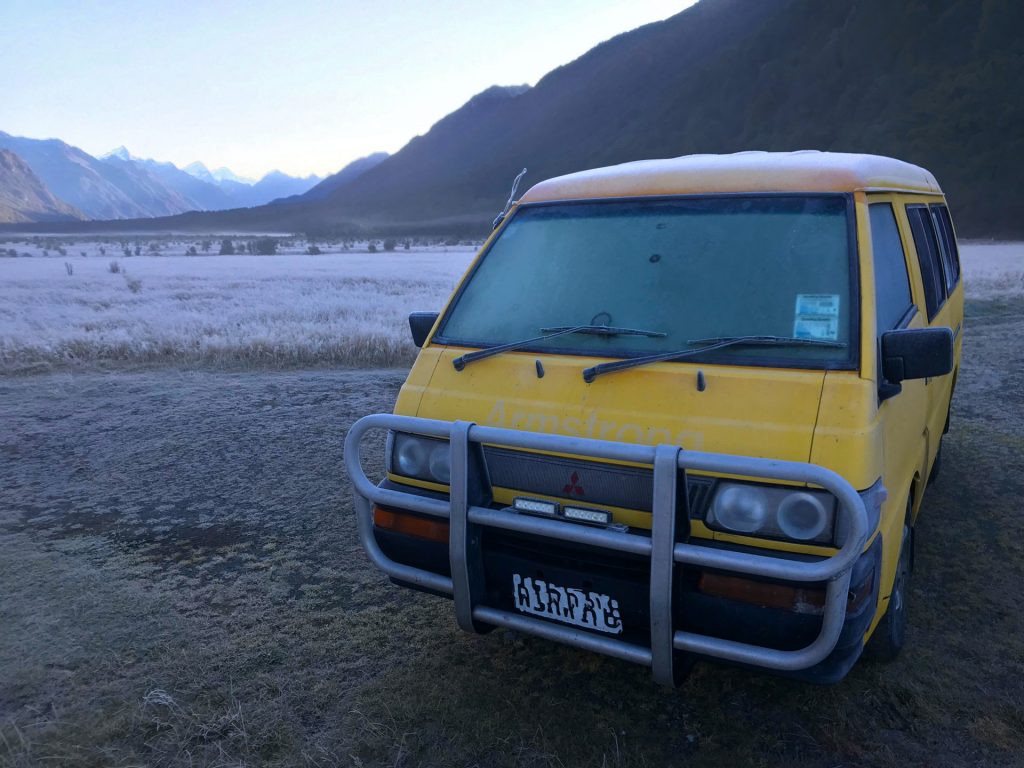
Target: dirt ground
(180, 584)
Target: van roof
(802, 171)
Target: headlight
(424, 458)
(773, 512)
(411, 456)
(803, 517)
(440, 463)
(741, 508)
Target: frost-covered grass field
(182, 584)
(290, 309)
(993, 270)
(181, 579)
(346, 306)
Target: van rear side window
(892, 286)
(947, 244)
(928, 256)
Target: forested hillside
(937, 84)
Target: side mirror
(420, 324)
(916, 353)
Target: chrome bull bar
(661, 546)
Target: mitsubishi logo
(573, 486)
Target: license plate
(590, 610)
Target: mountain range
(120, 185)
(23, 197)
(936, 84)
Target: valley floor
(343, 307)
(180, 581)
(181, 585)
(293, 309)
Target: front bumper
(667, 620)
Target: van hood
(751, 411)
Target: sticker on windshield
(816, 316)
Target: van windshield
(685, 269)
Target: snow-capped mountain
(200, 171)
(226, 174)
(122, 185)
(101, 189)
(120, 153)
(244, 192)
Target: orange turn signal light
(410, 525)
(769, 595)
(762, 593)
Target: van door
(939, 314)
(954, 309)
(903, 415)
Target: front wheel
(891, 633)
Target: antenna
(511, 199)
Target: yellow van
(682, 409)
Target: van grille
(587, 482)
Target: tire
(891, 633)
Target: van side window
(928, 256)
(947, 245)
(892, 285)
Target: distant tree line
(261, 246)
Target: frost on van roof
(802, 171)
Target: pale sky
(301, 86)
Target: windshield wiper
(551, 333)
(769, 341)
(604, 330)
(709, 345)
